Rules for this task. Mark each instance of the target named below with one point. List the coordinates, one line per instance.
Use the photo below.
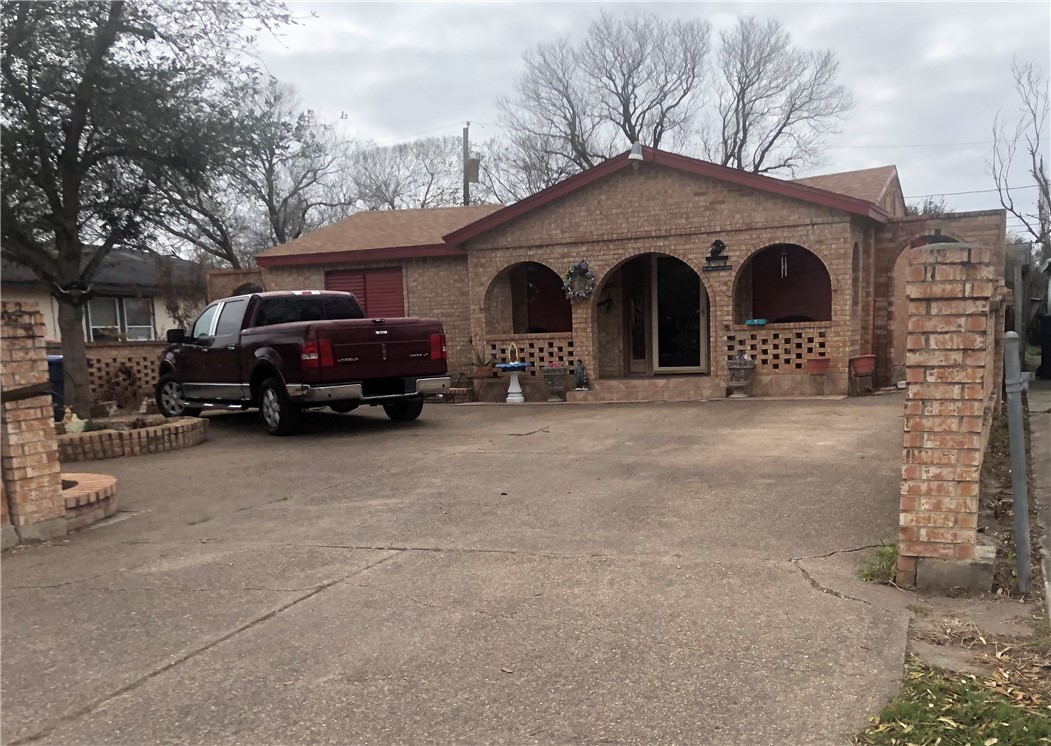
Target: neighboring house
(818, 259)
(128, 301)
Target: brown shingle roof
(383, 229)
(867, 184)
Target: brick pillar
(32, 482)
(585, 331)
(952, 291)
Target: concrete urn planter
(742, 374)
(557, 380)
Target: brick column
(951, 290)
(32, 482)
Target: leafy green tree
(101, 101)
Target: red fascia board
(767, 184)
(362, 255)
(539, 199)
(679, 163)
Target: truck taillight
(317, 354)
(438, 351)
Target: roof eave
(428, 251)
(813, 195)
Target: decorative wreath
(579, 282)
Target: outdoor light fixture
(635, 156)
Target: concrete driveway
(488, 574)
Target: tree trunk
(77, 393)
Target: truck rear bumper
(307, 394)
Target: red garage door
(379, 291)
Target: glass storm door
(637, 307)
(679, 317)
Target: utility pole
(466, 165)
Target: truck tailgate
(379, 348)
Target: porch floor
(651, 388)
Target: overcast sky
(927, 78)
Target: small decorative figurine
(580, 375)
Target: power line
(976, 191)
(924, 145)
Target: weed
(882, 566)
(202, 519)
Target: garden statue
(580, 374)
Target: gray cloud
(921, 73)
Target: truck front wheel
(170, 401)
(279, 415)
(404, 411)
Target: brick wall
(986, 228)
(32, 483)
(954, 331)
(222, 283)
(665, 211)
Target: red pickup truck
(284, 352)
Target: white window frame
(122, 319)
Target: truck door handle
(231, 348)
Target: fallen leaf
(507, 670)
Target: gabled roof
(122, 271)
(803, 192)
(378, 234)
(869, 184)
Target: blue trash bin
(58, 382)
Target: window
(230, 318)
(203, 326)
(119, 319)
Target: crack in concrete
(824, 588)
(534, 432)
(56, 585)
(87, 709)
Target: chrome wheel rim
(171, 398)
(271, 408)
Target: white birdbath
(514, 390)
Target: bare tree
(420, 173)
(775, 103)
(630, 80)
(1026, 134)
(514, 168)
(646, 79)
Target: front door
(679, 317)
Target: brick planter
(89, 498)
(170, 436)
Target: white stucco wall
(162, 322)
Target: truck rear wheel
(170, 401)
(404, 411)
(279, 415)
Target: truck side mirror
(175, 336)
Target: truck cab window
(342, 307)
(203, 325)
(230, 317)
(276, 311)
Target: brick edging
(102, 444)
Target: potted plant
(557, 379)
(483, 364)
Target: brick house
(819, 259)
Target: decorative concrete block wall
(955, 329)
(32, 483)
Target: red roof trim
(362, 255)
(679, 163)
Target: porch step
(672, 388)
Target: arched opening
(652, 318)
(527, 298)
(898, 311)
(783, 283)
